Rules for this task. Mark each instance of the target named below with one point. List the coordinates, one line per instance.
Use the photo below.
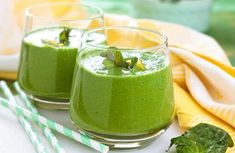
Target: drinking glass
(122, 92)
(49, 48)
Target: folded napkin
(204, 83)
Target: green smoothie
(112, 100)
(46, 67)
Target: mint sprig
(64, 36)
(114, 56)
(63, 39)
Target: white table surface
(13, 139)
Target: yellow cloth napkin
(204, 83)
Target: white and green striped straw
(46, 131)
(55, 126)
(23, 121)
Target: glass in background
(192, 13)
(49, 49)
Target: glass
(49, 48)
(122, 92)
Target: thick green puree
(115, 101)
(46, 67)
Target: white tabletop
(13, 139)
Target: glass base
(60, 104)
(124, 142)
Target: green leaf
(186, 145)
(64, 36)
(115, 56)
(118, 58)
(125, 64)
(203, 138)
(111, 48)
(134, 60)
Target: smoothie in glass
(123, 96)
(114, 101)
(46, 67)
(49, 49)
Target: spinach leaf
(203, 138)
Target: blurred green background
(222, 24)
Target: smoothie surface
(38, 37)
(152, 62)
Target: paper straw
(55, 126)
(23, 121)
(46, 131)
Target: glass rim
(28, 10)
(164, 38)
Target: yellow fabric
(204, 83)
(8, 75)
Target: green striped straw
(55, 126)
(23, 121)
(46, 131)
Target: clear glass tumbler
(122, 92)
(49, 48)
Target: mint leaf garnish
(64, 36)
(63, 39)
(203, 138)
(116, 57)
(134, 60)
